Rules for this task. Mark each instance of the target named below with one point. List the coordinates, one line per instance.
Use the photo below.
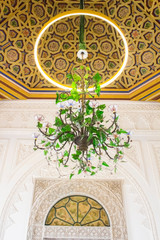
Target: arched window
(77, 211)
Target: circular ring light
(75, 13)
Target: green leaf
(99, 114)
(112, 144)
(39, 125)
(57, 145)
(126, 144)
(66, 137)
(47, 144)
(63, 111)
(71, 175)
(88, 120)
(93, 167)
(101, 107)
(102, 137)
(45, 152)
(34, 148)
(88, 169)
(69, 76)
(60, 160)
(75, 95)
(57, 97)
(76, 77)
(86, 76)
(117, 140)
(81, 67)
(105, 164)
(58, 122)
(89, 110)
(97, 77)
(66, 128)
(88, 68)
(66, 153)
(116, 119)
(98, 89)
(95, 142)
(43, 141)
(75, 156)
(78, 152)
(63, 96)
(65, 165)
(90, 137)
(121, 131)
(79, 171)
(92, 151)
(104, 147)
(74, 85)
(93, 173)
(51, 130)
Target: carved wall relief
(107, 192)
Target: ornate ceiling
(21, 22)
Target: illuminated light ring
(74, 13)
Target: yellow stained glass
(94, 203)
(61, 203)
(58, 222)
(84, 207)
(63, 214)
(50, 216)
(72, 208)
(78, 198)
(77, 211)
(104, 218)
(96, 224)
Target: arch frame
(107, 192)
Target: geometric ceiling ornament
(21, 23)
(109, 36)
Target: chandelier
(81, 134)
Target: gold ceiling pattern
(21, 22)
(60, 43)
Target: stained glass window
(77, 211)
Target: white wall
(19, 165)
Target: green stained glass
(77, 211)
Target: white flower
(39, 117)
(112, 108)
(70, 103)
(129, 133)
(79, 107)
(60, 155)
(61, 105)
(46, 124)
(57, 113)
(52, 137)
(35, 135)
(93, 104)
(82, 54)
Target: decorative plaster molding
(77, 232)
(108, 193)
(37, 171)
(137, 115)
(3, 151)
(24, 149)
(134, 154)
(157, 152)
